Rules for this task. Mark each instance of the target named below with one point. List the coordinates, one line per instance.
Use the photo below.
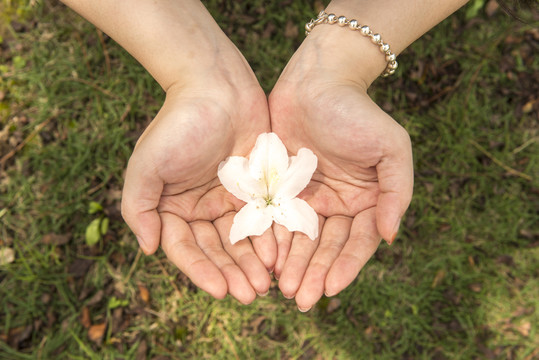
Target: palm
(339, 129)
(176, 160)
(353, 139)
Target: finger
(283, 237)
(181, 248)
(300, 254)
(140, 197)
(396, 179)
(209, 241)
(265, 248)
(361, 245)
(244, 256)
(334, 235)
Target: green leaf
(93, 234)
(19, 62)
(94, 207)
(114, 302)
(473, 8)
(104, 226)
(180, 333)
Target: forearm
(398, 22)
(175, 40)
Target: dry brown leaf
(55, 239)
(333, 305)
(528, 107)
(97, 331)
(142, 350)
(79, 267)
(291, 30)
(7, 256)
(268, 30)
(51, 317)
(85, 317)
(491, 7)
(144, 293)
(319, 6)
(524, 328)
(369, 330)
(523, 311)
(255, 323)
(19, 334)
(476, 287)
(96, 298)
(118, 258)
(505, 260)
(46, 298)
(117, 320)
(438, 278)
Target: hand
(364, 179)
(172, 194)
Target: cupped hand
(363, 183)
(172, 195)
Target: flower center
(269, 200)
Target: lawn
(460, 282)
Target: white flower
(269, 183)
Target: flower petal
(252, 219)
(235, 176)
(268, 161)
(297, 215)
(298, 174)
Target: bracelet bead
(332, 18)
(324, 18)
(365, 30)
(390, 58)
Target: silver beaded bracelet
(324, 18)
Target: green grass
(461, 282)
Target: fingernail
(265, 294)
(271, 271)
(276, 276)
(141, 241)
(289, 298)
(395, 231)
(304, 310)
(327, 294)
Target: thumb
(396, 181)
(141, 193)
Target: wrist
(397, 23)
(350, 50)
(333, 54)
(176, 41)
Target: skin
(215, 108)
(364, 181)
